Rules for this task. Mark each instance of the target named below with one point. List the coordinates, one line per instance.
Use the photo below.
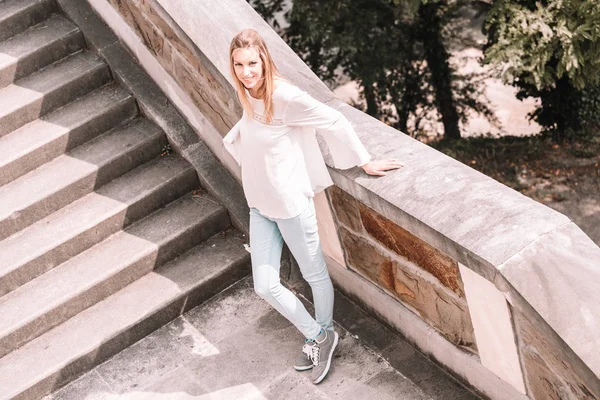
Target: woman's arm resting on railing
(348, 151)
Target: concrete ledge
(555, 289)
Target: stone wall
(180, 58)
(419, 276)
(548, 375)
(527, 323)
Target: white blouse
(282, 166)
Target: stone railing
(502, 291)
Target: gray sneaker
(321, 352)
(303, 362)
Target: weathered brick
(549, 375)
(229, 110)
(156, 43)
(150, 11)
(122, 6)
(345, 208)
(197, 86)
(151, 36)
(181, 62)
(446, 312)
(415, 250)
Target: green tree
(394, 49)
(268, 9)
(550, 49)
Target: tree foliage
(550, 49)
(394, 49)
(268, 9)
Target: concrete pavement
(235, 346)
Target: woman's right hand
(378, 167)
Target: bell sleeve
(344, 145)
(232, 143)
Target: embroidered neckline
(262, 119)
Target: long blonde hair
(249, 38)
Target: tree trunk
(561, 105)
(372, 108)
(409, 98)
(403, 114)
(437, 60)
(403, 108)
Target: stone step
(65, 179)
(37, 47)
(99, 332)
(53, 240)
(18, 15)
(107, 267)
(54, 86)
(62, 130)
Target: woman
(282, 168)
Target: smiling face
(253, 70)
(248, 69)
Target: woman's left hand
(378, 167)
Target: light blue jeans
(301, 235)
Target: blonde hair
(249, 38)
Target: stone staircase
(105, 234)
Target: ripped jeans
(301, 235)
